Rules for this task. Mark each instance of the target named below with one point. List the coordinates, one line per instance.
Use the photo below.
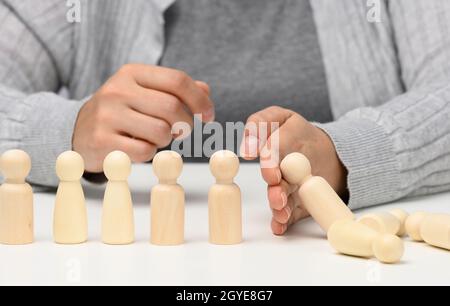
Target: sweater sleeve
(402, 148)
(32, 117)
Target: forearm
(41, 124)
(399, 149)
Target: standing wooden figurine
(16, 200)
(118, 216)
(225, 211)
(167, 201)
(70, 225)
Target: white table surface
(303, 257)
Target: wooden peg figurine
(388, 248)
(384, 223)
(225, 211)
(167, 201)
(356, 239)
(412, 225)
(16, 200)
(118, 216)
(435, 230)
(317, 196)
(70, 225)
(401, 216)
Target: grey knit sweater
(388, 83)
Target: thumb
(204, 86)
(278, 146)
(260, 127)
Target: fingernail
(288, 211)
(284, 228)
(249, 147)
(284, 199)
(242, 150)
(253, 146)
(210, 115)
(279, 177)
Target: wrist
(334, 172)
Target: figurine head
(295, 168)
(70, 166)
(167, 166)
(117, 166)
(15, 165)
(224, 166)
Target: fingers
(250, 145)
(138, 150)
(284, 215)
(204, 86)
(176, 83)
(278, 195)
(150, 129)
(260, 126)
(281, 143)
(161, 105)
(279, 228)
(286, 140)
(272, 176)
(291, 214)
(260, 129)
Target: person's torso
(253, 53)
(112, 33)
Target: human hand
(291, 133)
(134, 112)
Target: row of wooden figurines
(70, 224)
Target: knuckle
(165, 133)
(162, 128)
(180, 79)
(148, 152)
(258, 117)
(280, 216)
(173, 105)
(274, 108)
(110, 91)
(126, 69)
(144, 154)
(103, 115)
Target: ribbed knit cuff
(46, 132)
(367, 153)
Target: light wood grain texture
(401, 216)
(435, 230)
(167, 201)
(317, 196)
(383, 223)
(388, 248)
(224, 200)
(356, 239)
(412, 225)
(352, 238)
(16, 200)
(118, 216)
(70, 222)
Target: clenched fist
(135, 111)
